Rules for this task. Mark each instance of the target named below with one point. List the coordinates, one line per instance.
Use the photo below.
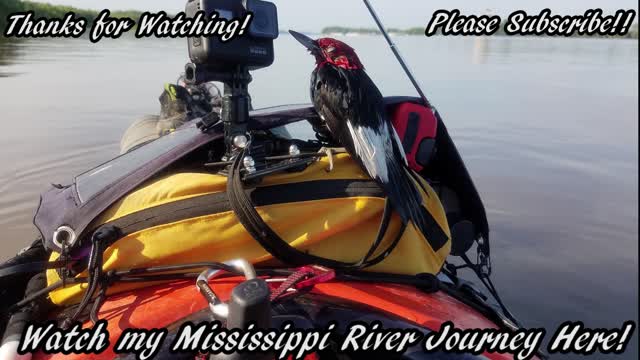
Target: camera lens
(260, 21)
(265, 19)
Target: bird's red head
(330, 51)
(337, 53)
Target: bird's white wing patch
(371, 147)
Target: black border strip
(262, 196)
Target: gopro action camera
(253, 49)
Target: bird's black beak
(308, 42)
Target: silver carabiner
(219, 309)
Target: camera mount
(230, 62)
(236, 102)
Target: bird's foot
(329, 152)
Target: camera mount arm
(236, 102)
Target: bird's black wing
(380, 150)
(318, 85)
(336, 102)
(353, 109)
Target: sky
(313, 15)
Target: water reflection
(480, 50)
(579, 51)
(8, 54)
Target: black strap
(105, 234)
(435, 235)
(246, 213)
(382, 230)
(32, 267)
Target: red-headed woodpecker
(353, 111)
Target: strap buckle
(320, 275)
(303, 278)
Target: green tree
(7, 7)
(43, 10)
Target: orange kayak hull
(163, 305)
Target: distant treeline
(52, 11)
(632, 34)
(370, 31)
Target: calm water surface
(547, 127)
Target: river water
(548, 129)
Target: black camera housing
(253, 50)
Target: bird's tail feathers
(406, 198)
(404, 195)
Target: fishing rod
(396, 52)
